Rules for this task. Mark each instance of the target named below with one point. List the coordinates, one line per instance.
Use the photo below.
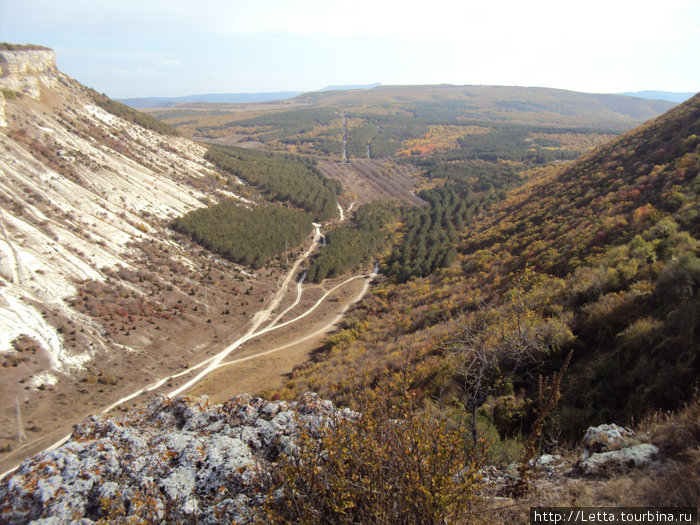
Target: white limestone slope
(64, 219)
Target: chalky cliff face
(78, 184)
(27, 61)
(23, 71)
(82, 193)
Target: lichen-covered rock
(551, 463)
(636, 456)
(178, 460)
(610, 448)
(604, 438)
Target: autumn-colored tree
(389, 463)
(504, 343)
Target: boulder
(604, 438)
(180, 460)
(636, 456)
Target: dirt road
(298, 332)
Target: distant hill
(217, 98)
(351, 86)
(502, 103)
(669, 96)
(229, 98)
(389, 121)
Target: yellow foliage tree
(387, 464)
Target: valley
(481, 250)
(213, 376)
(100, 298)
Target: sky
(144, 48)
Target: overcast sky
(139, 48)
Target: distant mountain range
(351, 86)
(219, 98)
(670, 96)
(229, 98)
(242, 98)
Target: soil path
(215, 362)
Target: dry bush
(671, 484)
(25, 343)
(677, 481)
(389, 464)
(107, 380)
(675, 433)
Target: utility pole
(345, 138)
(20, 431)
(368, 151)
(206, 300)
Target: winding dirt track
(258, 319)
(319, 331)
(217, 361)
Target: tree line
(287, 178)
(250, 237)
(349, 246)
(429, 235)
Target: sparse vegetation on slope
(22, 47)
(130, 114)
(89, 264)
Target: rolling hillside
(411, 122)
(600, 257)
(509, 103)
(444, 104)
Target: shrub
(10, 94)
(389, 464)
(642, 333)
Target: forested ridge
(475, 122)
(247, 236)
(287, 178)
(600, 257)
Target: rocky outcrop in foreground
(607, 450)
(178, 460)
(184, 460)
